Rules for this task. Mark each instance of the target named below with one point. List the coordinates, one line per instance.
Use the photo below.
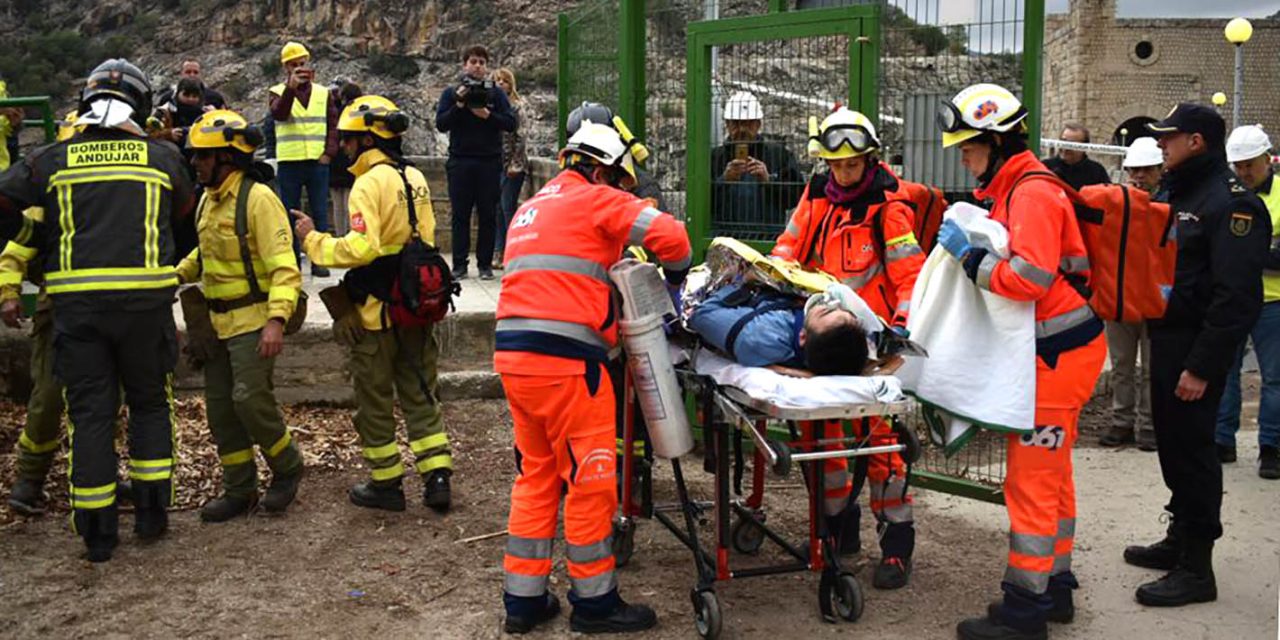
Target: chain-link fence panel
(588, 57)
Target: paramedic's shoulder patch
(1241, 224)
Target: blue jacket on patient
(756, 328)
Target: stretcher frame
(724, 412)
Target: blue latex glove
(953, 239)
(900, 332)
(675, 298)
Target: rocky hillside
(405, 49)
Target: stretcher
(734, 424)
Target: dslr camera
(478, 92)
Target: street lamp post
(1238, 32)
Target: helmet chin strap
(997, 160)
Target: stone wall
(1102, 70)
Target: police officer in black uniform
(109, 195)
(1224, 234)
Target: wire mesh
(759, 168)
(590, 69)
(928, 55)
(665, 71)
(982, 460)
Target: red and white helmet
(979, 109)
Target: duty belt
(227, 306)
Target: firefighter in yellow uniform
(41, 435)
(251, 282)
(387, 362)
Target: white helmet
(600, 143)
(743, 106)
(843, 134)
(1247, 143)
(1144, 152)
(978, 109)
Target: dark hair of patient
(838, 351)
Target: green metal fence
(589, 49)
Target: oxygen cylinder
(645, 302)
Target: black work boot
(525, 619)
(99, 529)
(991, 628)
(1226, 453)
(224, 508)
(282, 492)
(897, 544)
(389, 497)
(27, 497)
(1146, 440)
(1117, 436)
(150, 514)
(626, 618)
(1192, 581)
(1162, 555)
(435, 490)
(1269, 463)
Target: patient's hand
(884, 367)
(788, 371)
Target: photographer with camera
(474, 114)
(306, 137)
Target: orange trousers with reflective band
(564, 438)
(1039, 489)
(886, 472)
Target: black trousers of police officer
(1184, 440)
(97, 353)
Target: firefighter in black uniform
(109, 194)
(1224, 235)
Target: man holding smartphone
(306, 133)
(755, 181)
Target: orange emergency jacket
(555, 308)
(1045, 248)
(870, 246)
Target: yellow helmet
(293, 51)
(843, 134)
(67, 126)
(979, 109)
(224, 129)
(373, 114)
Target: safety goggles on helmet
(855, 137)
(948, 118)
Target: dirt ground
(329, 569)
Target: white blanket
(981, 367)
(798, 393)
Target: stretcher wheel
(748, 534)
(908, 438)
(848, 600)
(783, 466)
(706, 614)
(624, 542)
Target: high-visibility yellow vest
(302, 136)
(1271, 279)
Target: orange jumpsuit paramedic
(1048, 265)
(556, 325)
(855, 222)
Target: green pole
(631, 72)
(563, 84)
(1032, 68)
(778, 6)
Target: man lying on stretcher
(754, 309)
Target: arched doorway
(1130, 130)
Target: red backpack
(423, 289)
(1131, 245)
(929, 205)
